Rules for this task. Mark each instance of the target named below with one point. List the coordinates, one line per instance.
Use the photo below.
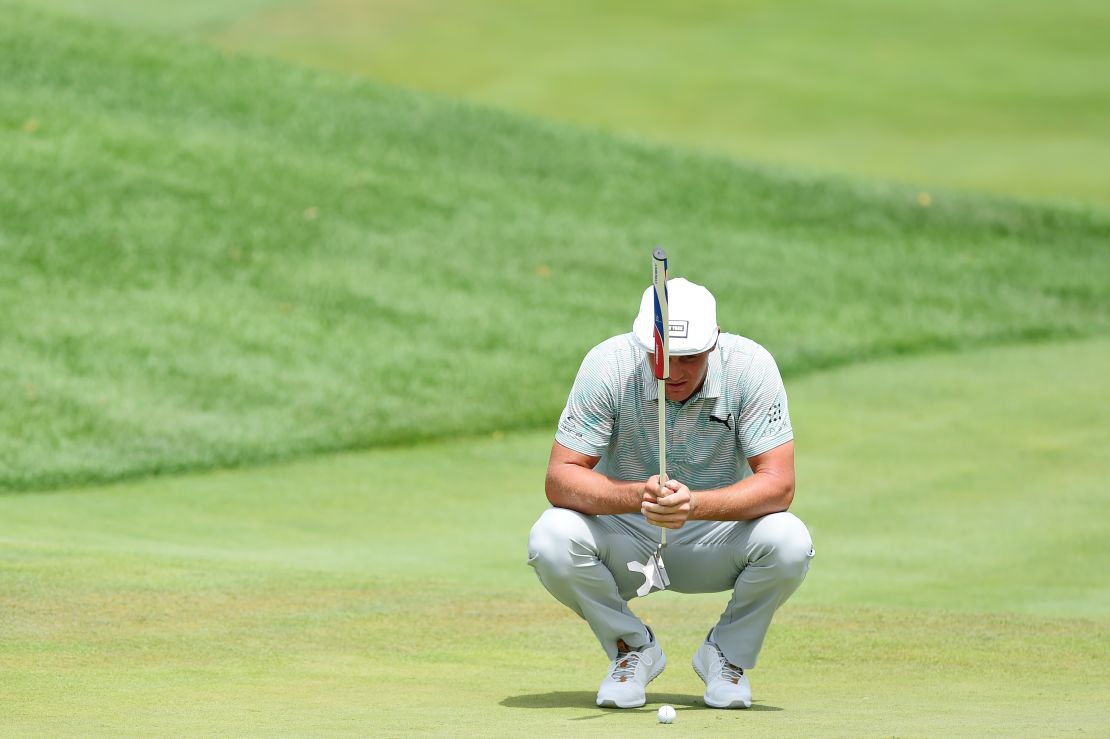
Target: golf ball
(666, 714)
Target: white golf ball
(666, 714)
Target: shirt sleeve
(764, 421)
(587, 422)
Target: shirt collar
(711, 388)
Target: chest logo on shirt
(727, 420)
(679, 329)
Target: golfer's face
(687, 375)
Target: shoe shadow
(586, 699)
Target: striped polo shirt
(739, 412)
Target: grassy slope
(305, 599)
(1005, 95)
(949, 597)
(193, 17)
(208, 261)
(1001, 95)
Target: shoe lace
(729, 671)
(624, 666)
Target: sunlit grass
(950, 595)
(208, 261)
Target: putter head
(661, 568)
(655, 574)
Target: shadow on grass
(585, 699)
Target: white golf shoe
(625, 685)
(726, 685)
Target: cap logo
(679, 329)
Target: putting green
(956, 501)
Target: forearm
(755, 496)
(587, 491)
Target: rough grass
(211, 261)
(386, 593)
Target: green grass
(998, 95)
(209, 261)
(957, 511)
(1009, 96)
(193, 18)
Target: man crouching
(730, 456)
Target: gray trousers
(583, 561)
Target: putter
(655, 573)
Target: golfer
(730, 459)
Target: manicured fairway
(1009, 96)
(958, 512)
(1005, 96)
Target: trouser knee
(552, 540)
(783, 541)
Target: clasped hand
(669, 507)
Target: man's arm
(770, 489)
(573, 483)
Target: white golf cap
(692, 317)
